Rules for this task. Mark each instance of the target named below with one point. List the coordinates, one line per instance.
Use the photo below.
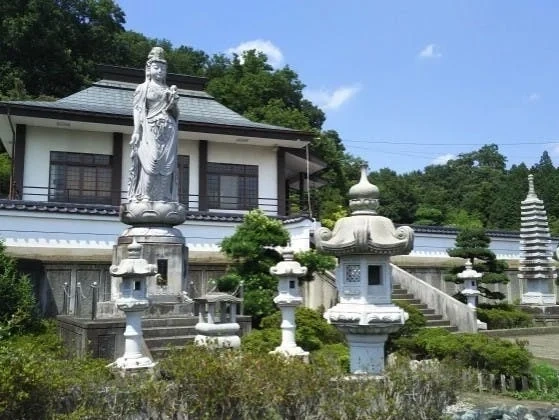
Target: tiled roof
(108, 210)
(115, 98)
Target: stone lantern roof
(364, 231)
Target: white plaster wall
(264, 157)
(6, 134)
(40, 141)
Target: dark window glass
(80, 178)
(232, 187)
(375, 275)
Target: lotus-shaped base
(159, 213)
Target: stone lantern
(132, 301)
(363, 243)
(470, 278)
(289, 297)
(217, 325)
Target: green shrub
(312, 332)
(18, 307)
(333, 354)
(36, 380)
(416, 321)
(472, 350)
(261, 341)
(502, 316)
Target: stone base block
(366, 353)
(132, 364)
(537, 298)
(223, 341)
(296, 351)
(98, 338)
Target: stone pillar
(289, 297)
(363, 243)
(536, 269)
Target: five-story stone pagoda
(536, 269)
(364, 242)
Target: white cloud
(334, 99)
(534, 97)
(274, 54)
(441, 160)
(430, 51)
(554, 149)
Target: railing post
(242, 296)
(94, 297)
(77, 300)
(65, 298)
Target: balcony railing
(193, 202)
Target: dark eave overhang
(108, 210)
(38, 111)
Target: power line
(410, 143)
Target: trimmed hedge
(471, 350)
(503, 316)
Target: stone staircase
(163, 333)
(433, 320)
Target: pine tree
(473, 244)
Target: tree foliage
(473, 244)
(18, 306)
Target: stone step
(410, 301)
(163, 342)
(432, 319)
(427, 312)
(169, 322)
(402, 295)
(450, 328)
(154, 332)
(432, 316)
(437, 323)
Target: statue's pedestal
(165, 247)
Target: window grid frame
(247, 186)
(64, 186)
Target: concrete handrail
(458, 313)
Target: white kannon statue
(154, 172)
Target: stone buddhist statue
(154, 173)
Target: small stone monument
(289, 297)
(470, 278)
(363, 243)
(217, 325)
(133, 301)
(536, 267)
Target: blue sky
(405, 83)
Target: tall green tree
(251, 250)
(52, 47)
(473, 244)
